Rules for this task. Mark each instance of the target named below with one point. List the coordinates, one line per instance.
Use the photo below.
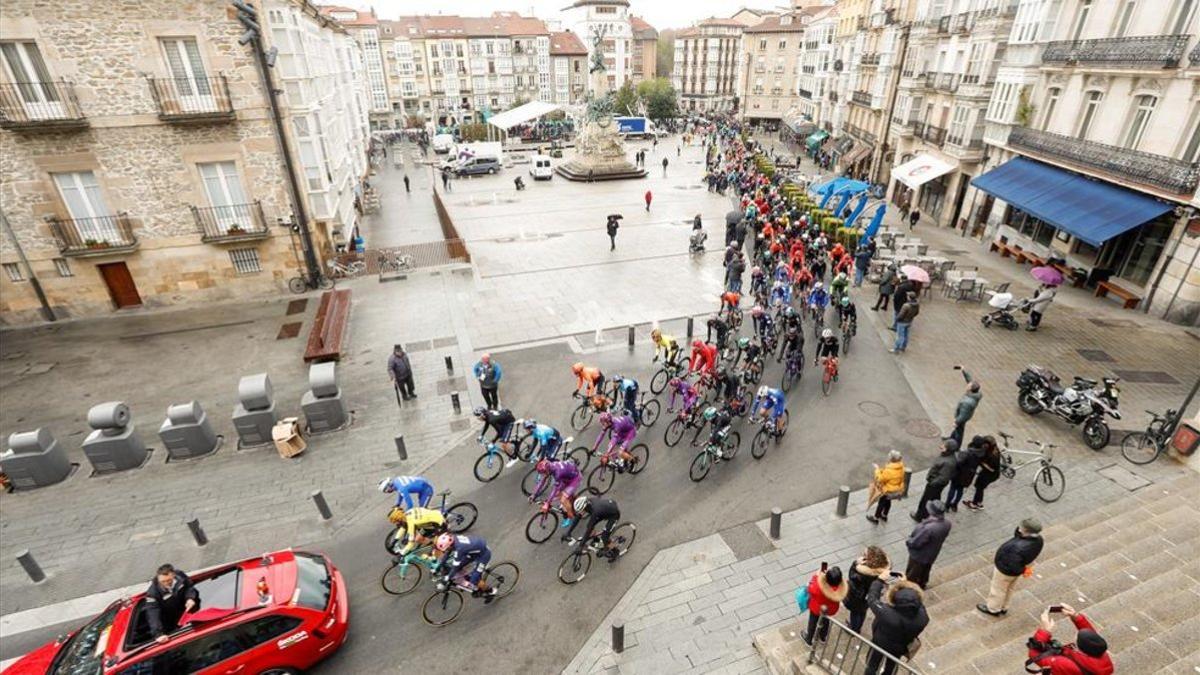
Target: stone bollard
(401, 447)
(843, 500)
(197, 532)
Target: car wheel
(491, 171)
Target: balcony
(1150, 51)
(918, 128)
(808, 70)
(943, 24)
(870, 59)
(40, 106)
(901, 127)
(1165, 173)
(966, 148)
(861, 98)
(933, 135)
(884, 18)
(230, 224)
(833, 96)
(1194, 56)
(181, 99)
(946, 82)
(804, 93)
(861, 134)
(84, 237)
(961, 23)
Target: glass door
(85, 202)
(27, 70)
(188, 76)
(223, 187)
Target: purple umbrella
(1047, 275)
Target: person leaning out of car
(170, 596)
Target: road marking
(62, 612)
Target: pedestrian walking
(406, 187)
(446, 179)
(649, 198)
(966, 462)
(905, 202)
(1013, 560)
(939, 476)
(1088, 655)
(887, 286)
(655, 142)
(989, 471)
(966, 406)
(1038, 304)
(904, 320)
(900, 295)
(826, 590)
(488, 372)
(872, 565)
(887, 484)
(400, 372)
(697, 223)
(912, 219)
(612, 226)
(900, 617)
(925, 543)
(664, 167)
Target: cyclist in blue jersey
(405, 488)
(764, 325)
(627, 388)
(769, 400)
(547, 439)
(818, 298)
(781, 294)
(459, 551)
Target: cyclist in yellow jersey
(423, 526)
(664, 344)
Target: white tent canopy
(920, 170)
(524, 113)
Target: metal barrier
(401, 259)
(846, 652)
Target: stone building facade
(139, 165)
(771, 54)
(708, 66)
(568, 59)
(643, 65)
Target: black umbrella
(733, 217)
(615, 216)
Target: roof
(566, 43)
(773, 24)
(521, 113)
(339, 13)
(505, 23)
(641, 29)
(585, 3)
(502, 24)
(714, 21)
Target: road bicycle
(793, 370)
(849, 328)
(447, 602)
(682, 422)
(405, 572)
(1143, 447)
(829, 374)
(588, 408)
(601, 478)
(339, 270)
(767, 434)
(459, 517)
(577, 563)
(303, 284)
(665, 374)
(722, 449)
(579, 455)
(499, 454)
(1049, 483)
(818, 320)
(647, 411)
(544, 522)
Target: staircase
(1130, 566)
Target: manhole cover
(872, 409)
(1097, 355)
(922, 429)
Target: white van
(540, 168)
(442, 143)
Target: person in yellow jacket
(889, 485)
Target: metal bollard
(618, 637)
(449, 365)
(689, 327)
(843, 499)
(197, 532)
(776, 522)
(322, 505)
(401, 448)
(907, 481)
(631, 336)
(38, 576)
(455, 402)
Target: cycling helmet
(697, 344)
(709, 413)
(841, 276)
(762, 391)
(581, 505)
(827, 333)
(720, 374)
(577, 368)
(480, 411)
(606, 419)
(845, 302)
(756, 270)
(385, 486)
(444, 542)
(543, 466)
(756, 311)
(743, 342)
(818, 285)
(656, 335)
(529, 424)
(789, 311)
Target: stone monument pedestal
(599, 155)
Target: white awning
(916, 172)
(524, 113)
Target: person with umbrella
(1051, 279)
(613, 225)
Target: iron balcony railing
(978, 79)
(184, 99)
(1166, 173)
(861, 134)
(861, 98)
(961, 23)
(845, 652)
(1001, 10)
(918, 128)
(943, 24)
(947, 82)
(1147, 51)
(870, 59)
(234, 222)
(804, 93)
(1194, 56)
(94, 236)
(934, 135)
(33, 105)
(808, 70)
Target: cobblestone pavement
(418, 223)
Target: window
(63, 268)
(762, 45)
(1124, 16)
(1140, 120)
(186, 68)
(1145, 249)
(245, 260)
(1191, 149)
(223, 187)
(28, 71)
(1180, 24)
(1089, 113)
(1051, 103)
(266, 629)
(191, 656)
(1085, 8)
(85, 203)
(13, 270)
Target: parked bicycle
(1049, 483)
(445, 605)
(394, 261)
(303, 284)
(339, 270)
(722, 449)
(1143, 447)
(459, 516)
(577, 563)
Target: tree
(664, 61)
(626, 100)
(470, 132)
(659, 97)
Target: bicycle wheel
(622, 537)
(525, 446)
(732, 442)
(488, 466)
(826, 383)
(443, 607)
(399, 579)
(530, 482)
(581, 456)
(574, 567)
(758, 446)
(1050, 483)
(787, 417)
(846, 337)
(700, 466)
(658, 383)
(788, 378)
(650, 412)
(582, 417)
(541, 526)
(395, 540)
(503, 577)
(1139, 448)
(324, 283)
(297, 285)
(641, 456)
(674, 432)
(601, 478)
(461, 516)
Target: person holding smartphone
(1088, 655)
(826, 590)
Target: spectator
(697, 223)
(872, 565)
(925, 543)
(904, 321)
(170, 596)
(912, 219)
(966, 406)
(446, 179)
(862, 261)
(938, 478)
(887, 286)
(1012, 560)
(612, 226)
(489, 373)
(664, 161)
(1088, 656)
(406, 188)
(649, 198)
(965, 463)
(889, 483)
(900, 617)
(825, 591)
(900, 295)
(1038, 304)
(400, 372)
(989, 471)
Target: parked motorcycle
(1085, 402)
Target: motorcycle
(696, 242)
(1085, 402)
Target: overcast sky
(660, 13)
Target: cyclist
(769, 400)
(847, 314)
(621, 430)
(592, 377)
(721, 327)
(837, 287)
(757, 280)
(598, 510)
(501, 421)
(844, 264)
(666, 345)
(547, 440)
(565, 478)
(763, 323)
(730, 300)
(836, 253)
(727, 383)
(405, 488)
(781, 294)
(681, 387)
(817, 266)
(818, 299)
(804, 279)
(796, 254)
(827, 347)
(460, 551)
(704, 357)
(422, 525)
(783, 272)
(627, 389)
(719, 420)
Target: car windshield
(313, 581)
(83, 654)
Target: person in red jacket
(649, 198)
(825, 590)
(1088, 655)
(704, 357)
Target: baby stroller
(1003, 314)
(696, 242)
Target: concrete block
(256, 393)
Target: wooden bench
(1031, 257)
(1004, 249)
(1105, 287)
(327, 339)
(1077, 279)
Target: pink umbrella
(915, 273)
(1047, 275)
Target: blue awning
(1091, 210)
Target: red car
(280, 613)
